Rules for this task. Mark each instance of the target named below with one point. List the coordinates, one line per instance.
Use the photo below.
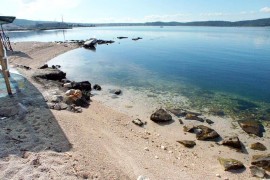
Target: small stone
(252, 127)
(257, 172)
(258, 146)
(163, 147)
(156, 157)
(143, 178)
(180, 121)
(161, 116)
(232, 142)
(230, 164)
(97, 87)
(190, 116)
(138, 122)
(262, 161)
(209, 121)
(218, 175)
(188, 144)
(146, 149)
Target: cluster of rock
(74, 94)
(259, 163)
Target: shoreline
(107, 145)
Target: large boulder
(252, 127)
(231, 164)
(161, 116)
(50, 74)
(262, 161)
(232, 142)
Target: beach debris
(232, 142)
(191, 116)
(180, 121)
(116, 91)
(44, 66)
(138, 122)
(97, 87)
(122, 37)
(231, 164)
(187, 143)
(258, 146)
(262, 161)
(209, 121)
(257, 171)
(136, 39)
(161, 116)
(50, 74)
(143, 178)
(252, 127)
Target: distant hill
(23, 24)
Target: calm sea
(223, 69)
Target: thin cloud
(265, 10)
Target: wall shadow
(27, 124)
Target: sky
(112, 11)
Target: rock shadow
(19, 54)
(27, 124)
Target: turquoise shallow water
(223, 69)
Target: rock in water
(161, 116)
(252, 127)
(206, 133)
(230, 164)
(262, 161)
(97, 87)
(233, 142)
(258, 146)
(188, 144)
(83, 86)
(257, 172)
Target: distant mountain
(23, 24)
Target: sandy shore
(102, 142)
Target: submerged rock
(231, 164)
(252, 127)
(97, 87)
(121, 37)
(262, 161)
(161, 116)
(116, 91)
(190, 116)
(136, 39)
(188, 144)
(206, 134)
(257, 172)
(232, 142)
(258, 146)
(178, 112)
